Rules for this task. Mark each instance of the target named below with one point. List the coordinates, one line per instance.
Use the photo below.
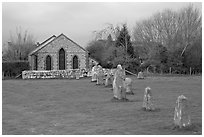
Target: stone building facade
(59, 53)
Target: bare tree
(177, 31)
(19, 46)
(160, 28)
(190, 21)
(110, 29)
(169, 28)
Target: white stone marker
(128, 86)
(147, 102)
(77, 73)
(118, 83)
(140, 75)
(109, 79)
(181, 114)
(100, 75)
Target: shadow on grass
(129, 93)
(146, 110)
(195, 128)
(119, 100)
(124, 100)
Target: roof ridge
(41, 45)
(48, 39)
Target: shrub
(14, 68)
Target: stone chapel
(59, 53)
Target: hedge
(14, 68)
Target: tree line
(167, 41)
(15, 54)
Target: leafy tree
(96, 49)
(118, 50)
(109, 41)
(108, 55)
(123, 40)
(123, 52)
(193, 56)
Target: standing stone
(81, 73)
(94, 74)
(147, 102)
(118, 84)
(72, 74)
(109, 79)
(128, 86)
(140, 75)
(77, 73)
(89, 74)
(181, 114)
(113, 71)
(100, 76)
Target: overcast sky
(76, 20)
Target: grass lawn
(81, 107)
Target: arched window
(75, 62)
(35, 62)
(61, 59)
(48, 62)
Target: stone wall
(53, 74)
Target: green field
(61, 107)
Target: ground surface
(81, 107)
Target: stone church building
(59, 53)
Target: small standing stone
(128, 86)
(147, 102)
(118, 84)
(94, 74)
(181, 114)
(77, 74)
(100, 75)
(109, 79)
(89, 74)
(81, 73)
(72, 74)
(140, 75)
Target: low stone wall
(53, 74)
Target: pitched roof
(43, 44)
(73, 42)
(50, 39)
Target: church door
(48, 63)
(61, 59)
(75, 62)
